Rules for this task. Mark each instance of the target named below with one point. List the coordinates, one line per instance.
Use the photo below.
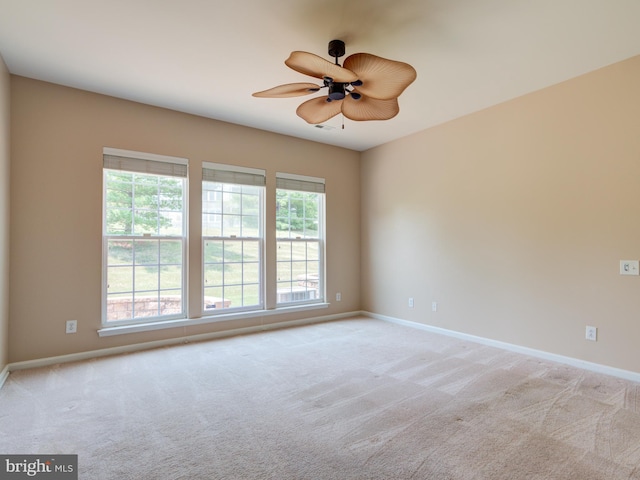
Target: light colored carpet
(353, 399)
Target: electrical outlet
(629, 267)
(71, 326)
(434, 306)
(410, 302)
(591, 334)
(338, 297)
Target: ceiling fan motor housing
(337, 91)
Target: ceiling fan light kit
(365, 88)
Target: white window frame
(145, 163)
(231, 174)
(303, 183)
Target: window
(232, 226)
(144, 239)
(300, 239)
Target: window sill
(186, 322)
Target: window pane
(233, 295)
(145, 221)
(251, 295)
(311, 229)
(251, 272)
(118, 176)
(251, 251)
(250, 226)
(146, 279)
(297, 214)
(119, 221)
(233, 274)
(170, 302)
(213, 298)
(299, 268)
(146, 196)
(251, 204)
(211, 206)
(170, 223)
(120, 279)
(213, 251)
(120, 252)
(282, 228)
(170, 194)
(313, 269)
(119, 195)
(284, 271)
(142, 179)
(284, 292)
(284, 251)
(213, 275)
(232, 203)
(233, 213)
(146, 252)
(142, 272)
(313, 251)
(212, 225)
(298, 250)
(146, 306)
(170, 277)
(211, 197)
(231, 225)
(232, 250)
(171, 252)
(119, 307)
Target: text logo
(50, 467)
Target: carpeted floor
(352, 399)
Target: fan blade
(315, 66)
(381, 78)
(289, 90)
(318, 110)
(367, 108)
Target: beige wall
(514, 220)
(4, 213)
(56, 193)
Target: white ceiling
(206, 57)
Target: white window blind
(213, 172)
(126, 160)
(299, 183)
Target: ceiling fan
(367, 87)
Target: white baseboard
(75, 357)
(574, 362)
(4, 374)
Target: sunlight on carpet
(351, 399)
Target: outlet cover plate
(629, 267)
